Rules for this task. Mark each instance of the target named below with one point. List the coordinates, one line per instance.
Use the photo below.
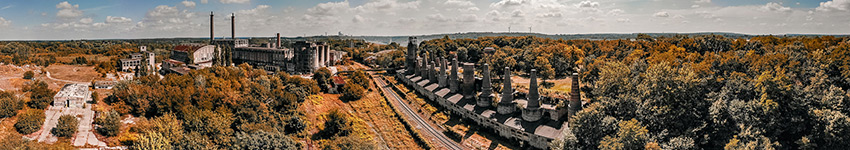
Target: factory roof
(74, 90)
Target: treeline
(681, 92)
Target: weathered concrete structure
(507, 104)
(72, 96)
(468, 81)
(411, 55)
(541, 121)
(453, 78)
(189, 56)
(532, 111)
(485, 99)
(142, 58)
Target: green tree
(28, 75)
(322, 77)
(40, 95)
(80, 60)
(10, 106)
(66, 127)
(30, 121)
(630, 135)
(264, 140)
(338, 124)
(359, 77)
(109, 122)
(352, 92)
(151, 141)
(349, 143)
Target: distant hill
(599, 36)
(468, 35)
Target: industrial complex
(540, 119)
(303, 57)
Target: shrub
(40, 95)
(352, 92)
(263, 140)
(67, 126)
(10, 106)
(28, 75)
(30, 121)
(109, 123)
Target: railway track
(422, 123)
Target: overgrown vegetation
(689, 92)
(212, 106)
(30, 121)
(66, 127)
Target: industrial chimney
(277, 45)
(232, 26)
(212, 35)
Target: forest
(687, 92)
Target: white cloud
(66, 10)
(509, 3)
(169, 19)
(468, 18)
(438, 18)
(702, 1)
(615, 12)
(839, 5)
(517, 13)
(360, 19)
(387, 6)
(86, 20)
(695, 6)
(189, 4)
(623, 20)
(459, 3)
(234, 1)
(4, 22)
(110, 19)
(775, 7)
(329, 8)
(205, 1)
(662, 14)
(588, 4)
(551, 15)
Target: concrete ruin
(72, 96)
(540, 120)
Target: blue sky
(94, 19)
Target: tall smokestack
(277, 42)
(233, 26)
(212, 26)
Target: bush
(28, 75)
(30, 121)
(322, 77)
(352, 92)
(67, 126)
(10, 106)
(80, 61)
(263, 140)
(338, 124)
(109, 123)
(40, 95)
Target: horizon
(124, 19)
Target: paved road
(417, 120)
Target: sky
(127, 19)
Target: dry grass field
(78, 73)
